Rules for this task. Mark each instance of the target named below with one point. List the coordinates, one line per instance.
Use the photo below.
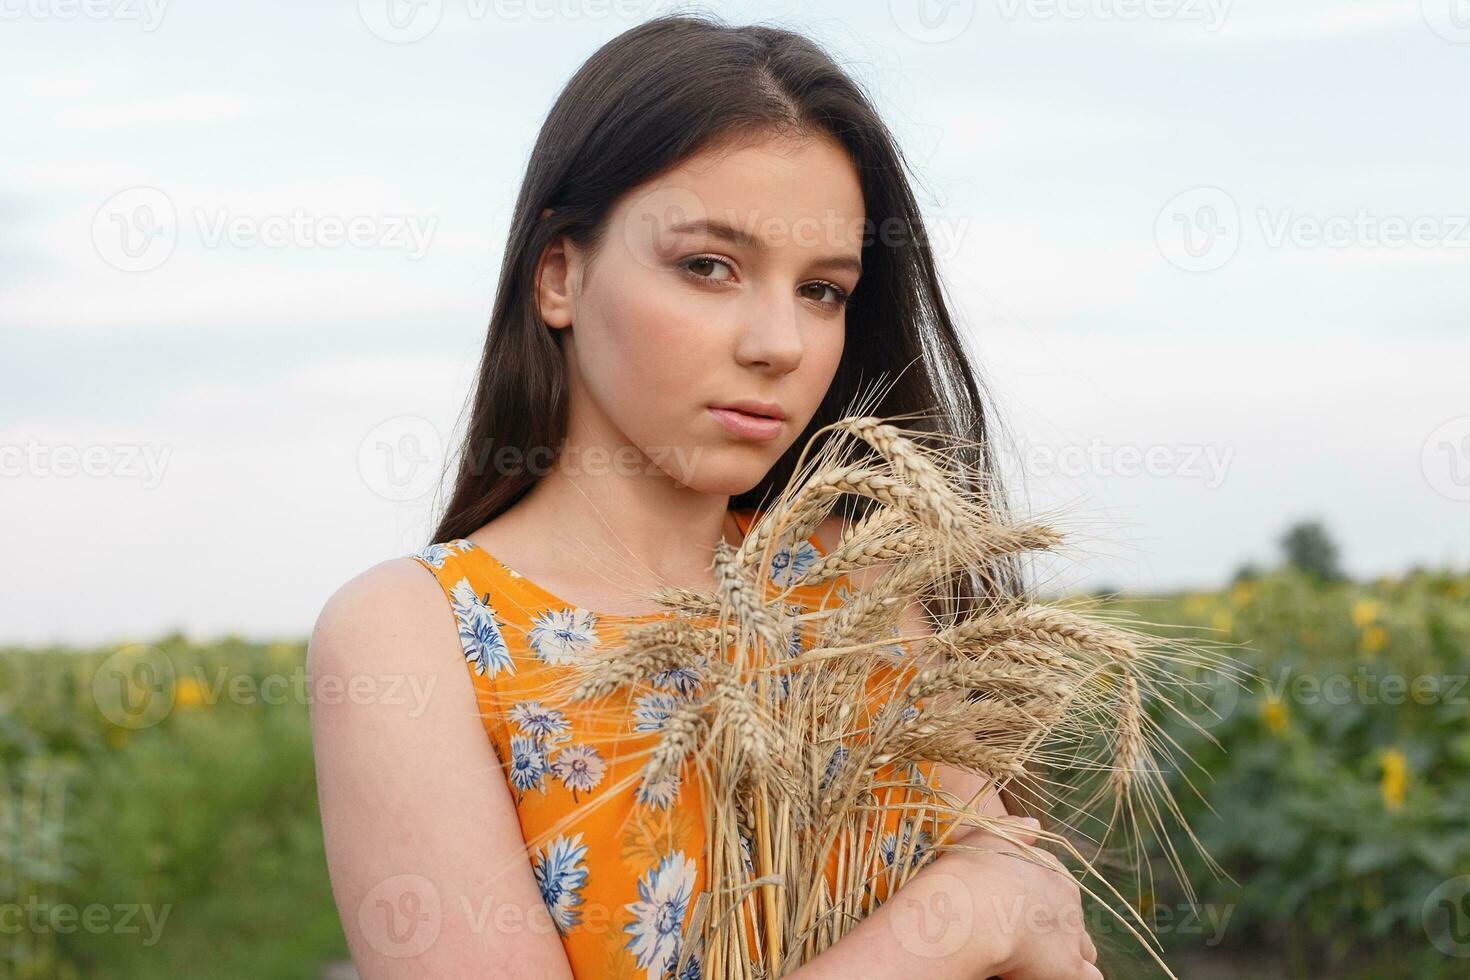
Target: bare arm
(969, 915)
(427, 861)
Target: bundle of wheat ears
(806, 753)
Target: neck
(606, 541)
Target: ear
(557, 274)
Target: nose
(771, 336)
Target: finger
(1090, 972)
(1023, 828)
(1089, 949)
(1016, 830)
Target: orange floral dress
(619, 862)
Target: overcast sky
(1214, 258)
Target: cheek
(819, 365)
(829, 348)
(648, 341)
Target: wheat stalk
(804, 759)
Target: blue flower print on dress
(659, 793)
(897, 651)
(781, 692)
(537, 721)
(435, 554)
(922, 851)
(478, 632)
(563, 636)
(794, 648)
(685, 680)
(579, 767)
(746, 860)
(692, 968)
(527, 764)
(561, 873)
(913, 774)
(664, 894)
(834, 765)
(652, 710)
(788, 565)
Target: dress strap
(472, 600)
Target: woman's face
(721, 281)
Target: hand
(1036, 905)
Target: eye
(697, 265)
(838, 298)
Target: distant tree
(1309, 547)
(1249, 572)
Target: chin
(725, 473)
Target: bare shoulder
(391, 610)
(416, 811)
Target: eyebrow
(744, 239)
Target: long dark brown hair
(646, 100)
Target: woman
(713, 247)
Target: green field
(158, 810)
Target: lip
(751, 406)
(744, 425)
